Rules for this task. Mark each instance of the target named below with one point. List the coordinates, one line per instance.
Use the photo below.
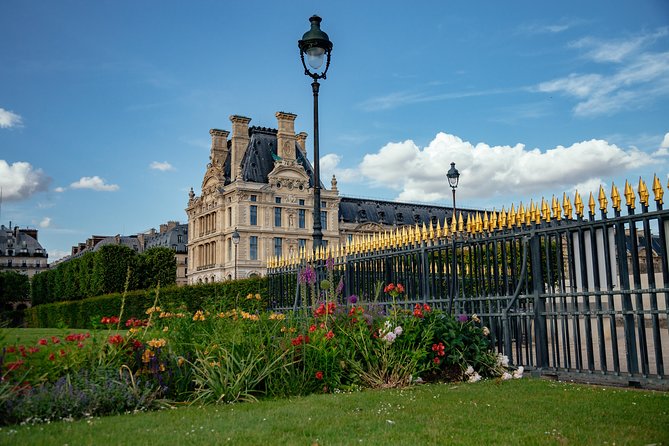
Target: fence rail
(577, 297)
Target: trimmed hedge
(221, 296)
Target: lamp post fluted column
(453, 178)
(318, 226)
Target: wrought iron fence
(574, 296)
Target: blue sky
(105, 106)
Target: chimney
(302, 141)
(219, 146)
(240, 141)
(163, 228)
(285, 138)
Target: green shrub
(220, 296)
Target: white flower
(389, 337)
(502, 360)
(469, 371)
(506, 376)
(399, 330)
(518, 373)
(475, 318)
(474, 378)
(486, 331)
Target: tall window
(301, 218)
(278, 246)
(302, 243)
(277, 217)
(229, 216)
(301, 202)
(253, 215)
(324, 219)
(229, 249)
(253, 247)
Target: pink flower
(319, 375)
(329, 335)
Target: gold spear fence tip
(657, 189)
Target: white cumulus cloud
(9, 119)
(329, 165)
(59, 189)
(665, 141)
(94, 183)
(20, 180)
(164, 166)
(419, 174)
(45, 223)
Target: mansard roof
(362, 210)
(170, 239)
(19, 241)
(260, 155)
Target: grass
(527, 411)
(30, 336)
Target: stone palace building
(260, 183)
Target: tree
(157, 265)
(14, 287)
(110, 269)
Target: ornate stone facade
(261, 184)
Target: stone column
(240, 141)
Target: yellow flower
(215, 364)
(475, 318)
(258, 297)
(165, 328)
(153, 310)
(157, 343)
(147, 355)
(277, 316)
(162, 367)
(250, 296)
(198, 316)
(133, 330)
(180, 361)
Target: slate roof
(361, 210)
(19, 242)
(260, 155)
(170, 239)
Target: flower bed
(213, 356)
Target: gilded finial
(512, 217)
(615, 197)
(520, 215)
(545, 211)
(438, 234)
(591, 204)
(630, 198)
(578, 204)
(603, 202)
(479, 223)
(555, 206)
(657, 189)
(486, 222)
(643, 192)
(502, 218)
(493, 220)
(566, 205)
(469, 223)
(461, 223)
(454, 224)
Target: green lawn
(30, 336)
(517, 412)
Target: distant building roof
(361, 210)
(174, 238)
(19, 242)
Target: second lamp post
(316, 45)
(453, 177)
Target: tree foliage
(14, 287)
(104, 271)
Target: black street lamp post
(317, 47)
(453, 178)
(235, 240)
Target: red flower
(418, 311)
(11, 349)
(436, 360)
(312, 328)
(115, 339)
(329, 335)
(400, 288)
(440, 349)
(427, 308)
(62, 352)
(55, 339)
(14, 365)
(42, 342)
(319, 375)
(137, 344)
(80, 344)
(33, 349)
(52, 357)
(390, 287)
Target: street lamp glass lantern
(235, 237)
(453, 176)
(317, 46)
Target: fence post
(540, 331)
(628, 308)
(425, 273)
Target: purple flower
(308, 275)
(340, 286)
(462, 318)
(352, 299)
(329, 263)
